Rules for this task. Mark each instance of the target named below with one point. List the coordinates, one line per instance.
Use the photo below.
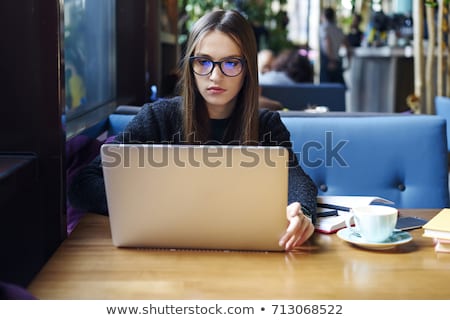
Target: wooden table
(87, 266)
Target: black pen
(332, 206)
(327, 213)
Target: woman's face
(219, 91)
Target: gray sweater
(161, 122)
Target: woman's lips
(215, 90)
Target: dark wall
(33, 213)
(32, 99)
(131, 27)
(143, 57)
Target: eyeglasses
(231, 67)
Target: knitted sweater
(161, 122)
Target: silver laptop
(196, 197)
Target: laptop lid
(198, 197)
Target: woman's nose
(215, 73)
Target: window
(89, 55)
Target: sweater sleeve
(301, 187)
(155, 123)
(87, 190)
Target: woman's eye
(204, 62)
(231, 63)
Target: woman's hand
(300, 227)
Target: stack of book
(438, 228)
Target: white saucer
(397, 238)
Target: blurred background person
(355, 35)
(290, 66)
(332, 38)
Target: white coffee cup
(374, 223)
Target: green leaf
(431, 3)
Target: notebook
(196, 197)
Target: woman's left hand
(300, 227)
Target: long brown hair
(243, 126)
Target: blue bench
(399, 157)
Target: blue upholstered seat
(402, 158)
(399, 157)
(118, 122)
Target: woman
(218, 105)
(291, 66)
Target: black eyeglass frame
(219, 63)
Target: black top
(161, 122)
(218, 127)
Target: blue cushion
(401, 158)
(118, 122)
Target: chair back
(402, 158)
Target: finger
(299, 229)
(304, 231)
(290, 244)
(290, 231)
(305, 235)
